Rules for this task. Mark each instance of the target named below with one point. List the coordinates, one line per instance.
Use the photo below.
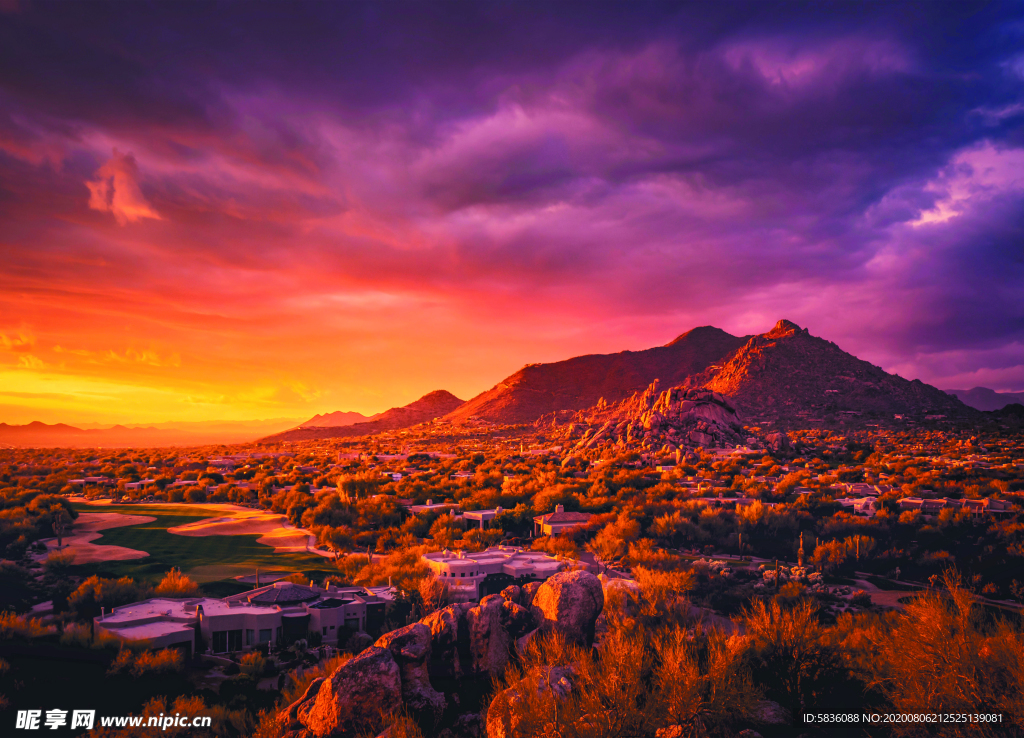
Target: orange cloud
(116, 190)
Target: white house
(472, 576)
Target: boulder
(516, 620)
(290, 717)
(489, 642)
(777, 442)
(772, 713)
(449, 640)
(569, 603)
(512, 593)
(410, 648)
(528, 592)
(355, 696)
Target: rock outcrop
(456, 645)
(489, 642)
(449, 638)
(354, 697)
(671, 421)
(569, 603)
(410, 647)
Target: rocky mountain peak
(785, 328)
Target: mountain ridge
(580, 382)
(429, 407)
(983, 398)
(786, 374)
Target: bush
(176, 584)
(939, 655)
(22, 626)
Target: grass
(206, 558)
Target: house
(432, 506)
(482, 517)
(280, 613)
(558, 521)
(472, 576)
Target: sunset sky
(258, 210)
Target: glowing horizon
(346, 207)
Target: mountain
(428, 407)
(982, 398)
(204, 433)
(789, 375)
(337, 418)
(578, 383)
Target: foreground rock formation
(421, 667)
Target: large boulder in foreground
(410, 648)
(489, 641)
(355, 696)
(568, 603)
(449, 640)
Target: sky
(271, 209)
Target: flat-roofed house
(471, 576)
(280, 614)
(558, 521)
(482, 517)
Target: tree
(60, 521)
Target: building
(558, 521)
(472, 576)
(278, 614)
(482, 518)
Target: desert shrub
(254, 664)
(557, 546)
(76, 634)
(96, 593)
(176, 584)
(699, 682)
(789, 654)
(166, 661)
(635, 682)
(938, 655)
(13, 625)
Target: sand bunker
(87, 529)
(274, 530)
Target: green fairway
(206, 558)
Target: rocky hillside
(579, 383)
(680, 418)
(790, 376)
(428, 407)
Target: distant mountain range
(982, 398)
(155, 435)
(430, 406)
(338, 418)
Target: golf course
(211, 560)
